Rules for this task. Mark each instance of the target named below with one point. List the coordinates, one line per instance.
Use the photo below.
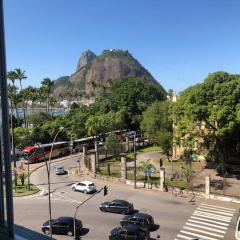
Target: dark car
(63, 225)
(143, 220)
(117, 206)
(130, 232)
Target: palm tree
(47, 85)
(33, 96)
(28, 94)
(146, 165)
(94, 126)
(12, 76)
(20, 75)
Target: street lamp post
(48, 165)
(77, 207)
(135, 160)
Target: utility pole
(135, 160)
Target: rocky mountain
(111, 64)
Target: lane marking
(70, 199)
(198, 235)
(213, 208)
(208, 220)
(201, 231)
(200, 215)
(211, 229)
(231, 209)
(185, 237)
(210, 215)
(217, 212)
(208, 224)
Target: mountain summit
(111, 64)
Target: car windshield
(26, 154)
(91, 185)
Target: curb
(215, 197)
(35, 169)
(54, 161)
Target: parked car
(117, 206)
(130, 232)
(63, 225)
(143, 220)
(84, 186)
(59, 170)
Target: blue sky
(179, 42)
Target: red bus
(37, 153)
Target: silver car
(59, 170)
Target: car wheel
(85, 191)
(74, 189)
(46, 231)
(69, 233)
(102, 209)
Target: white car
(84, 186)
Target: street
(175, 217)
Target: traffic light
(105, 190)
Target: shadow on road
(155, 228)
(84, 231)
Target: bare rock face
(111, 64)
(86, 58)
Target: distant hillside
(111, 64)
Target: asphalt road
(169, 213)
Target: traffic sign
(149, 171)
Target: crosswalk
(208, 222)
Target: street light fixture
(48, 165)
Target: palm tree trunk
(16, 109)
(20, 84)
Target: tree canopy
(130, 96)
(216, 104)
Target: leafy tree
(157, 125)
(112, 143)
(74, 106)
(216, 104)
(146, 165)
(131, 96)
(38, 119)
(23, 137)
